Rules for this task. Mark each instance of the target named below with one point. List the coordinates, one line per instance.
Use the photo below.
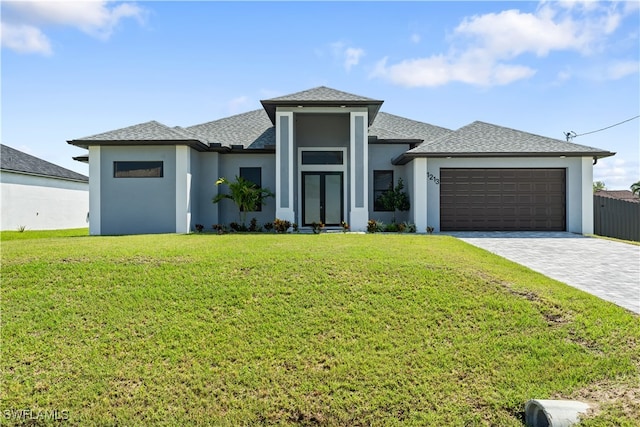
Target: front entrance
(322, 198)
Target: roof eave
(375, 140)
(373, 106)
(82, 159)
(405, 158)
(196, 144)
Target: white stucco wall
(42, 203)
(579, 203)
(138, 205)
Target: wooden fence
(616, 218)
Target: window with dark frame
(253, 175)
(322, 157)
(141, 169)
(382, 182)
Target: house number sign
(433, 178)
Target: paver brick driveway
(605, 268)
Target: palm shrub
(245, 194)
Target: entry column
(359, 172)
(284, 166)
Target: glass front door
(322, 198)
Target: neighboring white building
(39, 195)
(328, 156)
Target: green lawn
(330, 329)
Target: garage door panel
(525, 187)
(502, 199)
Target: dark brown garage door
(502, 199)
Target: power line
(572, 134)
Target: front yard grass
(330, 329)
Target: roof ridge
(482, 138)
(144, 131)
(529, 133)
(411, 120)
(338, 92)
(226, 118)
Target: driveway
(607, 269)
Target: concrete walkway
(607, 269)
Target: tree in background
(599, 185)
(635, 188)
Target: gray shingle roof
(150, 132)
(252, 130)
(321, 94)
(16, 161)
(480, 138)
(255, 130)
(389, 126)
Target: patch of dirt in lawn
(151, 260)
(553, 314)
(623, 395)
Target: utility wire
(572, 134)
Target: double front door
(322, 198)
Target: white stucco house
(40, 195)
(328, 155)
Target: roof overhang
(405, 158)
(82, 159)
(216, 147)
(86, 143)
(270, 106)
(409, 141)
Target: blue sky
(75, 69)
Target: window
(138, 169)
(382, 182)
(253, 175)
(322, 157)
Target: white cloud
(25, 39)
(617, 173)
(352, 57)
(238, 104)
(440, 70)
(563, 76)
(484, 47)
(348, 56)
(620, 69)
(415, 38)
(269, 93)
(28, 18)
